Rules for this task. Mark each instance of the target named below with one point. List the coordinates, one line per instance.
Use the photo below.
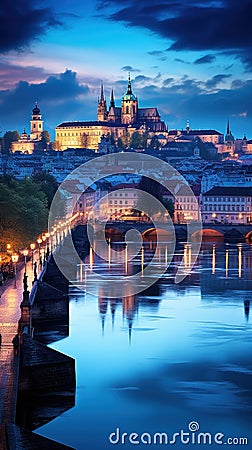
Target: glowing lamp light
(43, 237)
(39, 240)
(8, 246)
(25, 252)
(32, 246)
(14, 258)
(214, 215)
(47, 235)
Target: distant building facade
(227, 205)
(28, 143)
(208, 135)
(119, 122)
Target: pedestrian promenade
(10, 300)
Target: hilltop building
(206, 135)
(28, 143)
(117, 122)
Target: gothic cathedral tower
(129, 106)
(36, 123)
(102, 107)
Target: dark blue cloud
(206, 59)
(216, 79)
(23, 21)
(156, 53)
(64, 98)
(130, 69)
(61, 97)
(194, 25)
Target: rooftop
(229, 191)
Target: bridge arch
(248, 236)
(208, 234)
(152, 232)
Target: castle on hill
(29, 142)
(119, 122)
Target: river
(164, 358)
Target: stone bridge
(222, 231)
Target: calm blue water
(160, 360)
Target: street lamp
(14, 258)
(39, 240)
(32, 247)
(47, 235)
(44, 239)
(25, 253)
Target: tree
(154, 143)
(145, 137)
(120, 143)
(139, 140)
(45, 139)
(136, 140)
(8, 138)
(48, 185)
(123, 142)
(23, 212)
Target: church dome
(129, 94)
(36, 110)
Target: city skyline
(59, 54)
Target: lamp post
(39, 240)
(44, 249)
(32, 247)
(14, 258)
(25, 253)
(47, 235)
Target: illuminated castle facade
(27, 143)
(118, 122)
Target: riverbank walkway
(11, 296)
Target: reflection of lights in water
(227, 263)
(109, 253)
(187, 256)
(213, 260)
(239, 261)
(166, 254)
(142, 260)
(190, 256)
(126, 259)
(91, 259)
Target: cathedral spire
(129, 91)
(112, 100)
(102, 92)
(228, 127)
(102, 107)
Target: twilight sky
(191, 59)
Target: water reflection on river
(156, 361)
